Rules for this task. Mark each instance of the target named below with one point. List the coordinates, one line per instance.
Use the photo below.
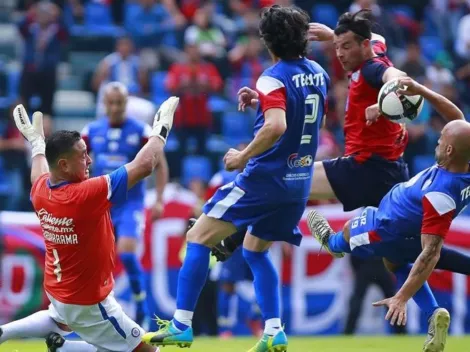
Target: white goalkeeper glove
(34, 132)
(163, 120)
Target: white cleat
(321, 230)
(437, 331)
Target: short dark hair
(285, 31)
(359, 23)
(60, 143)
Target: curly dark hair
(284, 30)
(359, 23)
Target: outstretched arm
(34, 133)
(423, 266)
(152, 152)
(443, 106)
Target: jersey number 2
(58, 269)
(312, 100)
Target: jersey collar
(60, 184)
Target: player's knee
(195, 236)
(127, 245)
(390, 266)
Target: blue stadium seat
(159, 92)
(196, 166)
(236, 127)
(326, 14)
(430, 46)
(13, 84)
(218, 104)
(130, 12)
(405, 10)
(422, 162)
(97, 14)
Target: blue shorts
(128, 219)
(235, 269)
(366, 242)
(265, 219)
(361, 184)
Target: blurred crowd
(56, 55)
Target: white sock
(272, 326)
(77, 346)
(37, 325)
(184, 317)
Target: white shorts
(103, 325)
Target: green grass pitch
(307, 344)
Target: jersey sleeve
(438, 212)
(103, 191)
(373, 72)
(272, 93)
(36, 185)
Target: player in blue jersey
(114, 140)
(411, 223)
(270, 195)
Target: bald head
(115, 101)
(453, 150)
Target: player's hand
(396, 310)
(319, 32)
(157, 210)
(33, 132)
(163, 120)
(409, 86)
(234, 160)
(372, 114)
(247, 97)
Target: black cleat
(54, 341)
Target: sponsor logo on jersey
(135, 332)
(57, 230)
(294, 161)
(465, 193)
(302, 79)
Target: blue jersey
(115, 146)
(426, 204)
(285, 170)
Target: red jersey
(79, 237)
(384, 138)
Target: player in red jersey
(74, 212)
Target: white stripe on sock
(184, 317)
(272, 326)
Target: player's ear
(63, 165)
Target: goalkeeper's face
(77, 163)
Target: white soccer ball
(396, 107)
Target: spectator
(247, 63)
(125, 67)
(462, 42)
(414, 64)
(13, 164)
(122, 66)
(439, 74)
(193, 82)
(44, 38)
(153, 29)
(210, 39)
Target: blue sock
(224, 310)
(424, 297)
(266, 282)
(338, 244)
(134, 272)
(191, 279)
(455, 261)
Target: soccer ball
(396, 107)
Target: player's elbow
(276, 128)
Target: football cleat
(169, 335)
(321, 230)
(268, 343)
(437, 331)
